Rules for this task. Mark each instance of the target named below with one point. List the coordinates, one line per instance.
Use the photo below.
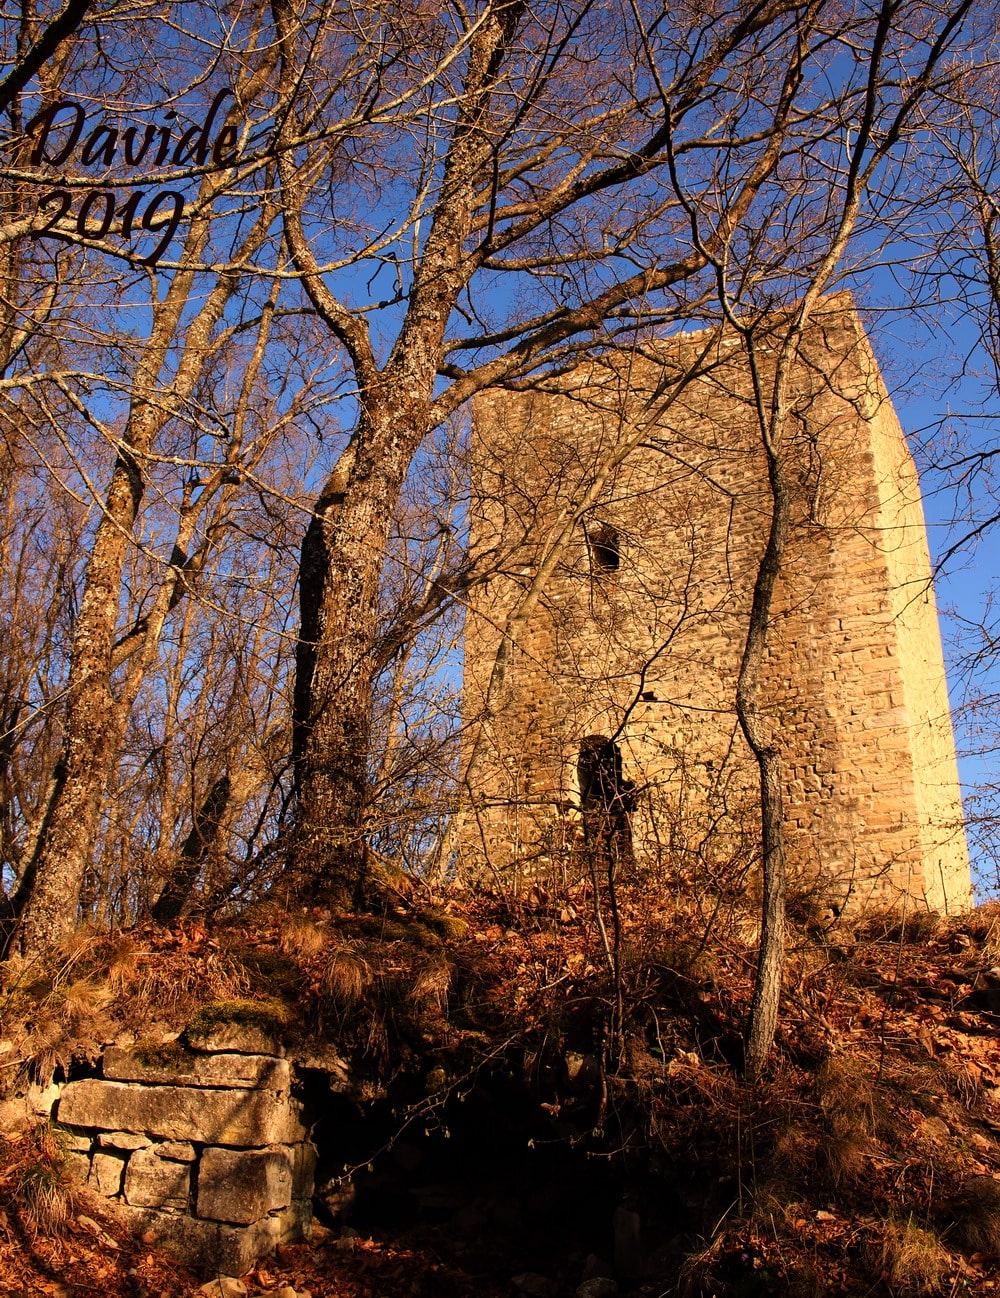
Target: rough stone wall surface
(663, 446)
(208, 1154)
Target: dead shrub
(910, 1258)
(977, 1215)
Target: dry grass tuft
(911, 1258)
(44, 1193)
(805, 1280)
(977, 1215)
(965, 1082)
(301, 936)
(346, 977)
(794, 1152)
(915, 928)
(696, 1270)
(847, 1099)
(41, 1064)
(84, 1000)
(844, 1087)
(80, 945)
(123, 963)
(432, 983)
(844, 1151)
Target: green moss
(163, 1054)
(272, 969)
(444, 925)
(426, 930)
(383, 928)
(268, 1015)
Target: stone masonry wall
(205, 1153)
(662, 445)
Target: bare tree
(146, 402)
(492, 146)
(721, 170)
(36, 45)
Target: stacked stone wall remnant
(207, 1154)
(660, 450)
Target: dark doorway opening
(606, 797)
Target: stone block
(303, 1169)
(294, 1223)
(181, 1151)
(123, 1140)
(325, 1058)
(153, 1182)
(244, 1118)
(599, 1286)
(79, 1166)
(242, 1185)
(106, 1173)
(224, 1286)
(238, 1038)
(75, 1142)
(42, 1099)
(205, 1245)
(186, 1068)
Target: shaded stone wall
(208, 1154)
(660, 449)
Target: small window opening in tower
(605, 546)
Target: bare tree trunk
(49, 889)
(771, 954)
(171, 903)
(338, 593)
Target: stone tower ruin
(622, 508)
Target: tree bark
(49, 889)
(172, 901)
(771, 954)
(341, 566)
(344, 549)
